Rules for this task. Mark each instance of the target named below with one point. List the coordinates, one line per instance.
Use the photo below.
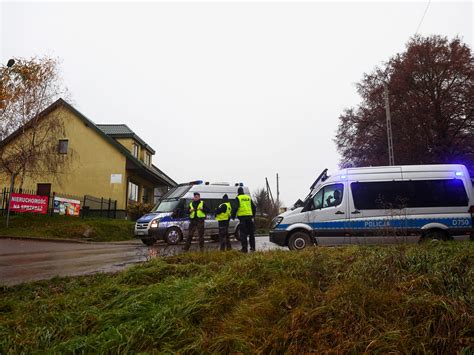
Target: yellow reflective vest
(200, 212)
(226, 215)
(245, 206)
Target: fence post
(12, 181)
(108, 209)
(52, 204)
(101, 203)
(4, 191)
(115, 209)
(84, 207)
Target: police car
(169, 221)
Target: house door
(43, 189)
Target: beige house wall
(92, 161)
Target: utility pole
(278, 191)
(10, 63)
(391, 158)
(269, 192)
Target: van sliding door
(377, 212)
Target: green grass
(67, 227)
(408, 299)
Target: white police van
(169, 220)
(384, 204)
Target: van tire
(149, 241)
(173, 236)
(434, 234)
(299, 241)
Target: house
(106, 160)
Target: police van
(380, 205)
(169, 221)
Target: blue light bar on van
(458, 173)
(343, 177)
(196, 182)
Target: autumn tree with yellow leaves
(29, 136)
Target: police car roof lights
(195, 182)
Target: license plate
(141, 233)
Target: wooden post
(52, 204)
(84, 207)
(12, 182)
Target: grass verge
(409, 299)
(67, 227)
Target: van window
(333, 195)
(318, 200)
(409, 194)
(328, 197)
(213, 204)
(177, 191)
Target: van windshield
(176, 192)
(166, 205)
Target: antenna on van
(323, 176)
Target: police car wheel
(434, 234)
(299, 241)
(173, 236)
(149, 241)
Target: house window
(147, 194)
(135, 150)
(147, 159)
(132, 191)
(63, 145)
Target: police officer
(245, 210)
(197, 214)
(223, 213)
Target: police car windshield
(166, 206)
(176, 192)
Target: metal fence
(91, 206)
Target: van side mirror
(308, 206)
(299, 203)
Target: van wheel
(173, 236)
(149, 241)
(433, 234)
(299, 241)
(237, 234)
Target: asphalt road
(24, 260)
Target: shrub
(138, 209)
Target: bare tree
(265, 206)
(29, 134)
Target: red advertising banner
(29, 203)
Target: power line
(423, 17)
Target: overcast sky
(225, 91)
